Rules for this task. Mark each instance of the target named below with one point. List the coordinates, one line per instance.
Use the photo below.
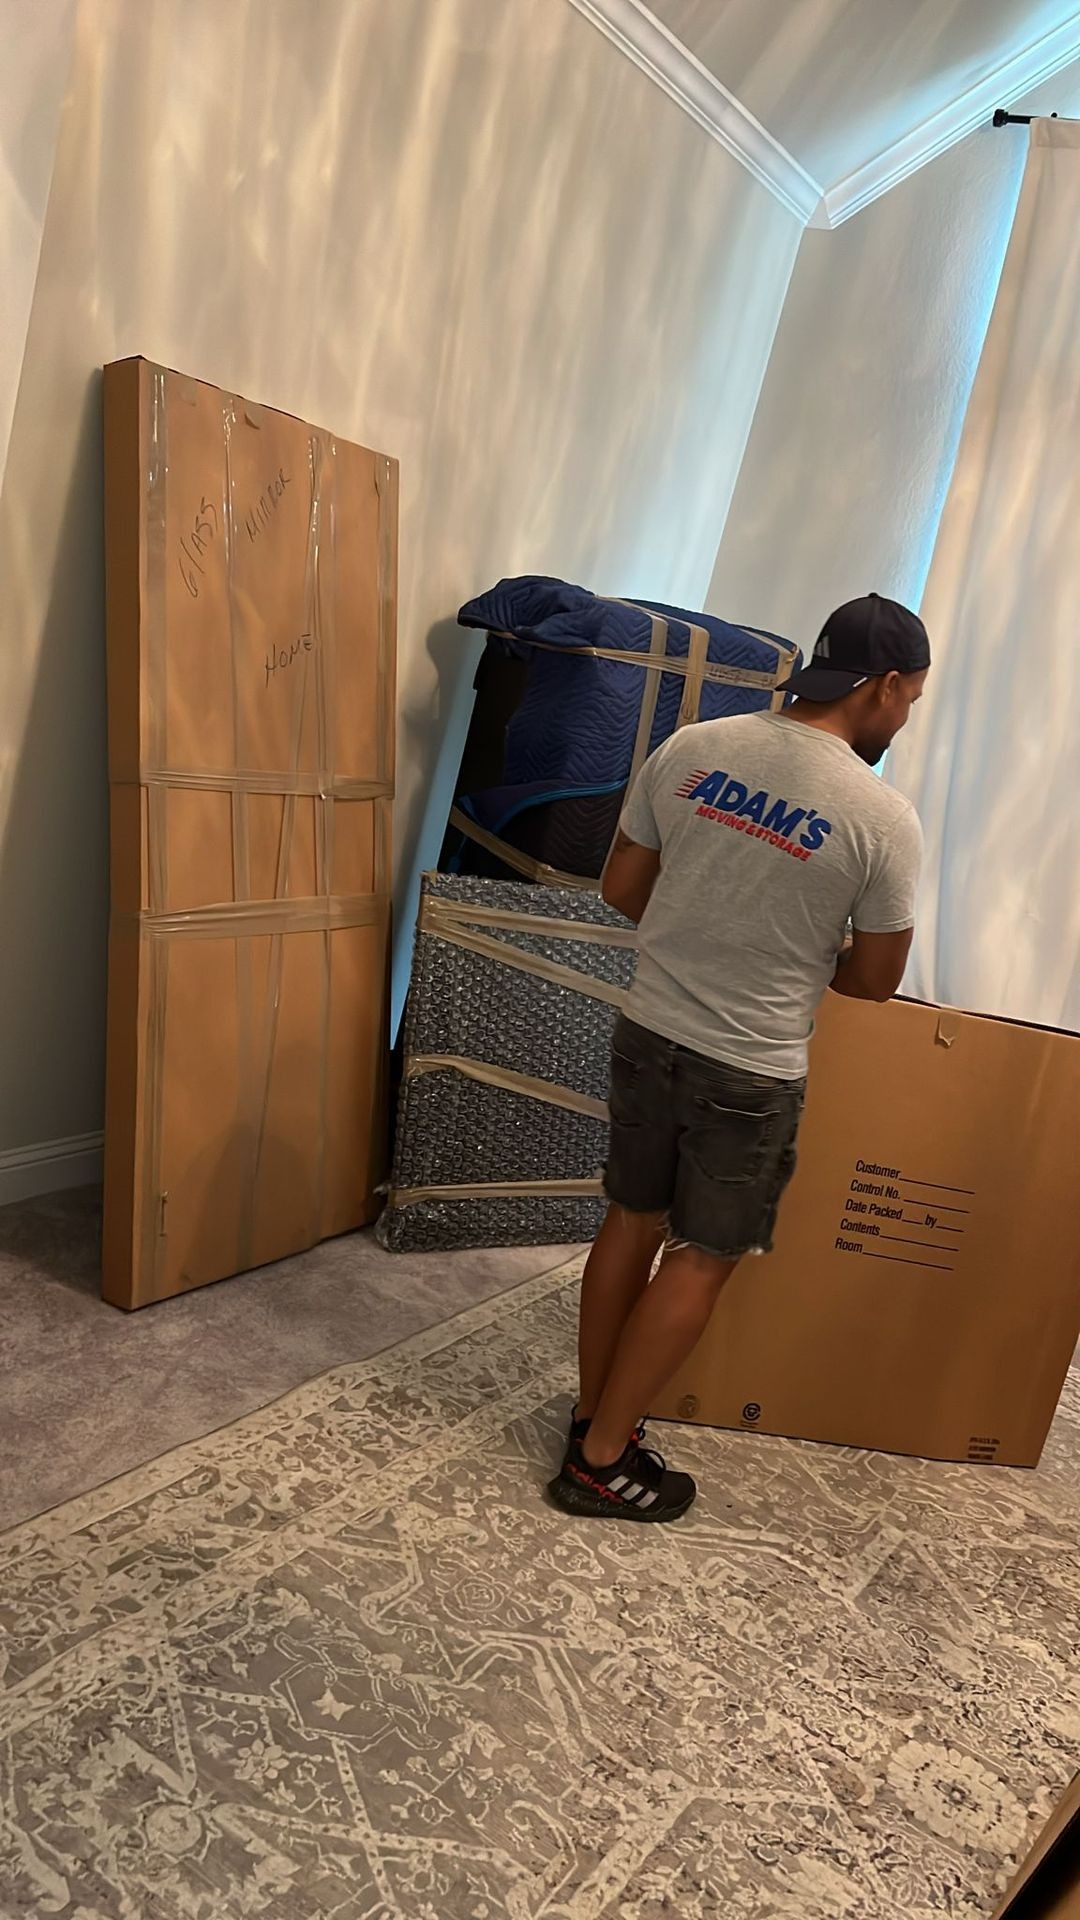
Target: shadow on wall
(53, 859)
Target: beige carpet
(340, 1660)
(88, 1392)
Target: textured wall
(469, 234)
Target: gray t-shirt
(773, 836)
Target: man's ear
(887, 687)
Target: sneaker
(639, 1486)
(579, 1428)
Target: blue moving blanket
(569, 745)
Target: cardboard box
(1047, 1886)
(251, 565)
(924, 1292)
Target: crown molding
(973, 108)
(638, 34)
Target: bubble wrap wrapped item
(502, 1131)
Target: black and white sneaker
(639, 1486)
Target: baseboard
(27, 1171)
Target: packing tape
(462, 925)
(386, 486)
(258, 919)
(500, 1190)
(524, 1083)
(715, 671)
(261, 781)
(786, 650)
(258, 1091)
(696, 660)
(697, 668)
(241, 838)
(152, 752)
(523, 863)
(322, 560)
(948, 1029)
(436, 911)
(649, 697)
(449, 921)
(459, 933)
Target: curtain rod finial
(1003, 118)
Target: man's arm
(872, 966)
(629, 877)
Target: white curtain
(992, 757)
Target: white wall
(465, 232)
(854, 440)
(36, 45)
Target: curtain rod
(1003, 118)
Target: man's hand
(629, 877)
(871, 965)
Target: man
(746, 850)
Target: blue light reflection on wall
(980, 308)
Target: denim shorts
(710, 1146)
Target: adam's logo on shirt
(731, 804)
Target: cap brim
(824, 683)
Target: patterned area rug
(341, 1660)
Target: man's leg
(616, 1276)
(661, 1332)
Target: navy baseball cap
(861, 641)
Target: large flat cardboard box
(1047, 1887)
(923, 1295)
(251, 563)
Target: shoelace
(646, 1465)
